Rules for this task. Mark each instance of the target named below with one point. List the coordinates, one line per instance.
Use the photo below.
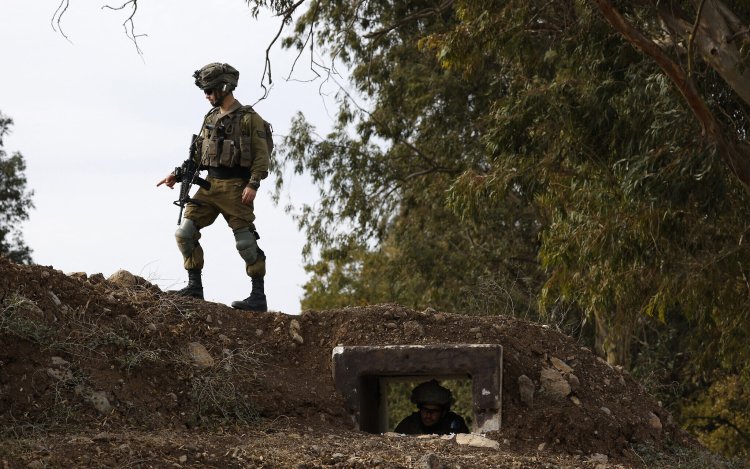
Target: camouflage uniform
(233, 145)
(224, 197)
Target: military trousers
(225, 199)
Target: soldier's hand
(170, 181)
(248, 195)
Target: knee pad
(186, 237)
(246, 245)
(258, 269)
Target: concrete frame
(360, 374)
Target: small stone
(183, 459)
(598, 458)
(100, 402)
(59, 361)
(526, 390)
(390, 325)
(541, 446)
(575, 401)
(55, 299)
(560, 365)
(575, 383)
(123, 278)
(606, 410)
(654, 421)
(554, 383)
(476, 441)
(60, 375)
(200, 355)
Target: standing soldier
(232, 146)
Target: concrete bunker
(362, 373)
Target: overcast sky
(99, 125)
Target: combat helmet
(217, 76)
(430, 392)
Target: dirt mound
(113, 370)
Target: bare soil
(99, 372)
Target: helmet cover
(430, 392)
(215, 75)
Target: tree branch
(426, 13)
(691, 41)
(735, 155)
(128, 24)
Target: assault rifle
(187, 174)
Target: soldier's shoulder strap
(246, 125)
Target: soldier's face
(215, 97)
(430, 414)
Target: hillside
(114, 372)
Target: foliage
(719, 416)
(15, 200)
(527, 145)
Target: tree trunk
(614, 333)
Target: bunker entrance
(367, 375)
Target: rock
(526, 390)
(554, 383)
(100, 402)
(60, 375)
(429, 310)
(474, 330)
(574, 382)
(59, 361)
(55, 299)
(123, 278)
(295, 332)
(541, 447)
(183, 459)
(560, 365)
(104, 436)
(477, 441)
(413, 329)
(606, 410)
(598, 458)
(654, 421)
(200, 355)
(390, 325)
(575, 401)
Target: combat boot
(256, 301)
(194, 288)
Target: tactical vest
(227, 141)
